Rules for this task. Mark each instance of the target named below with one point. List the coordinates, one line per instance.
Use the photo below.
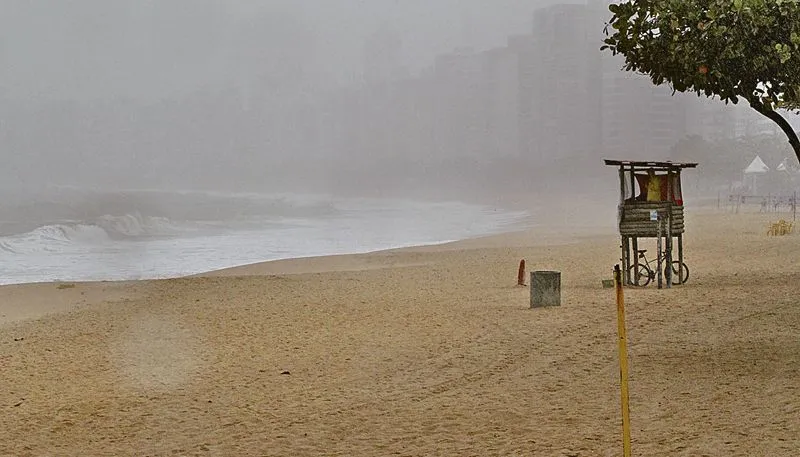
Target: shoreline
(59, 297)
(528, 223)
(65, 296)
(359, 227)
(56, 301)
(517, 231)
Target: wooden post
(633, 184)
(669, 184)
(625, 258)
(680, 258)
(636, 260)
(629, 257)
(658, 250)
(668, 260)
(629, 250)
(623, 239)
(545, 288)
(623, 365)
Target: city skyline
(105, 50)
(546, 99)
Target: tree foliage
(732, 49)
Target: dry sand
(424, 351)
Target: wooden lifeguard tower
(651, 206)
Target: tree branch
(775, 117)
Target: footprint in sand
(157, 353)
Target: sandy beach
(416, 352)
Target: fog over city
(242, 95)
(99, 49)
(444, 99)
(212, 94)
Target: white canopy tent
(757, 167)
(788, 165)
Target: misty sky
(82, 49)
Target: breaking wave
(104, 229)
(19, 214)
(85, 235)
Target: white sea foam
(136, 246)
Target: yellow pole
(623, 364)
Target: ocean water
(97, 236)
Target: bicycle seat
(641, 251)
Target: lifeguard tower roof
(648, 164)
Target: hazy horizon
(354, 96)
(109, 49)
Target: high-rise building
(640, 121)
(714, 120)
(381, 57)
(566, 96)
(458, 106)
(524, 48)
(709, 119)
(499, 108)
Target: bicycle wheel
(676, 279)
(643, 273)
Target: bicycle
(645, 274)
